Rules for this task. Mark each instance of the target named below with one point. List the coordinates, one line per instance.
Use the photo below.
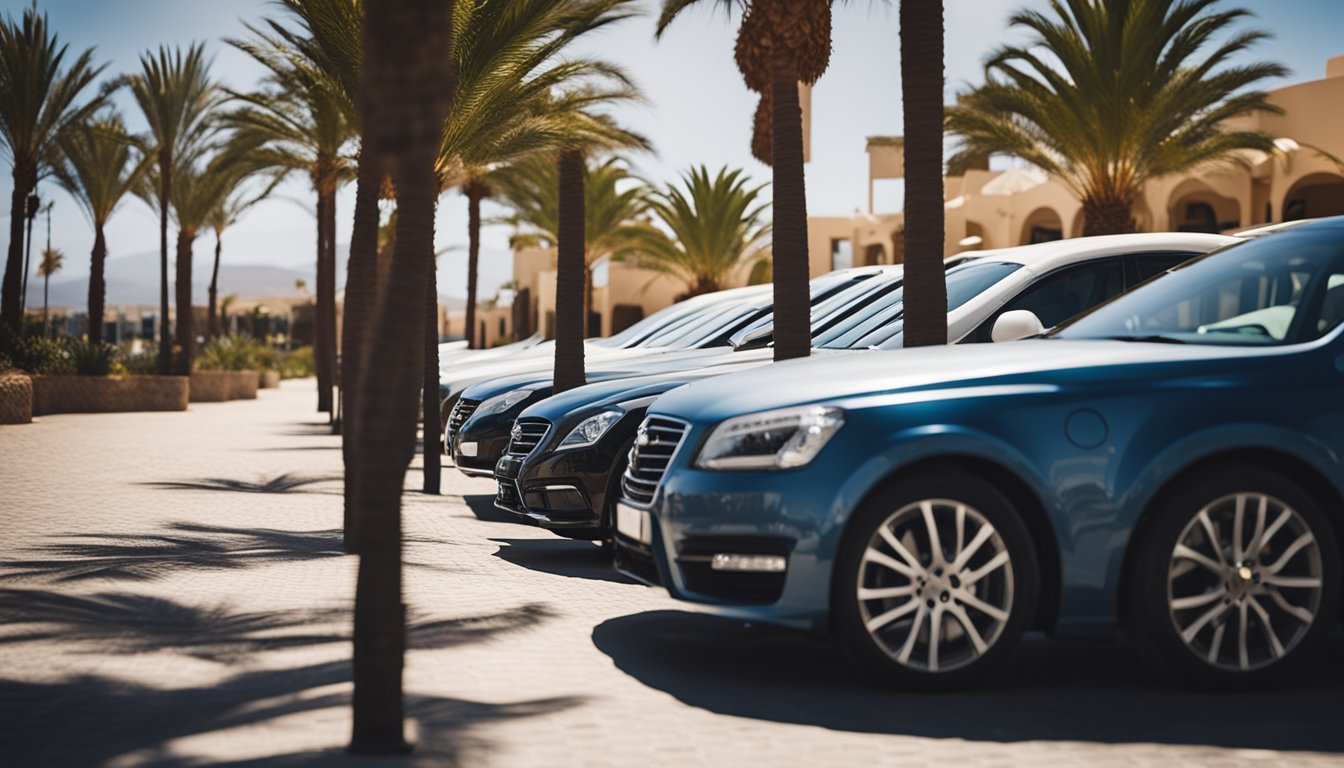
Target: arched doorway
(1314, 196)
(1041, 226)
(1195, 207)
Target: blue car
(1170, 463)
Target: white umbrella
(1013, 181)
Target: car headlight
(591, 429)
(781, 439)
(502, 403)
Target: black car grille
(461, 412)
(507, 496)
(526, 435)
(648, 462)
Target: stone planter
(268, 380)
(16, 398)
(108, 394)
(218, 386)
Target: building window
(842, 253)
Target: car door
(1061, 294)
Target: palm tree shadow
(1050, 691)
(561, 557)
(282, 483)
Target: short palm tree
(717, 223)
(779, 44)
(51, 263)
(176, 95)
(300, 122)
(229, 208)
(1141, 89)
(925, 313)
(39, 97)
(100, 163)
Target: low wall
(268, 380)
(108, 394)
(218, 386)
(16, 398)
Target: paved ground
(171, 594)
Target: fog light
(467, 449)
(749, 563)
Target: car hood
(877, 372)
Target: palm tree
(229, 208)
(779, 44)
(1110, 94)
(408, 83)
(716, 223)
(176, 95)
(922, 104)
(100, 163)
(300, 122)
(52, 261)
(39, 97)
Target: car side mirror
(753, 339)
(1017, 324)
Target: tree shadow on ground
(561, 557)
(282, 483)
(483, 507)
(126, 623)
(1050, 691)
(284, 448)
(93, 720)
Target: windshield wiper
(1151, 339)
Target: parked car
(479, 425)
(1171, 462)
(564, 465)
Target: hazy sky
(697, 111)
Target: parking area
(172, 593)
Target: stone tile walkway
(172, 594)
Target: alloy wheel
(1244, 582)
(935, 585)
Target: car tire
(1235, 615)
(885, 606)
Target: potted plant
(226, 369)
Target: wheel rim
(1244, 582)
(935, 586)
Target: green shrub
(87, 359)
(297, 363)
(142, 363)
(33, 352)
(229, 353)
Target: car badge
(642, 437)
(516, 434)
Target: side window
(1063, 295)
(1141, 266)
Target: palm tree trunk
(360, 283)
(11, 297)
(321, 352)
(1108, 216)
(792, 335)
(212, 320)
(329, 317)
(46, 295)
(569, 275)
(97, 284)
(922, 96)
(433, 430)
(474, 192)
(185, 330)
(588, 302)
(165, 189)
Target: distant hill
(134, 279)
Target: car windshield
(703, 325)
(1284, 288)
(648, 326)
(881, 320)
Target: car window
(1061, 295)
(1278, 289)
(1142, 266)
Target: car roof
(1329, 222)
(1042, 257)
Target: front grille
(657, 440)
(461, 412)
(526, 435)
(507, 496)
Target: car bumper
(555, 502)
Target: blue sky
(697, 110)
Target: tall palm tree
(39, 97)
(230, 205)
(408, 83)
(300, 122)
(781, 43)
(922, 105)
(175, 94)
(100, 163)
(51, 263)
(716, 223)
(1109, 94)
